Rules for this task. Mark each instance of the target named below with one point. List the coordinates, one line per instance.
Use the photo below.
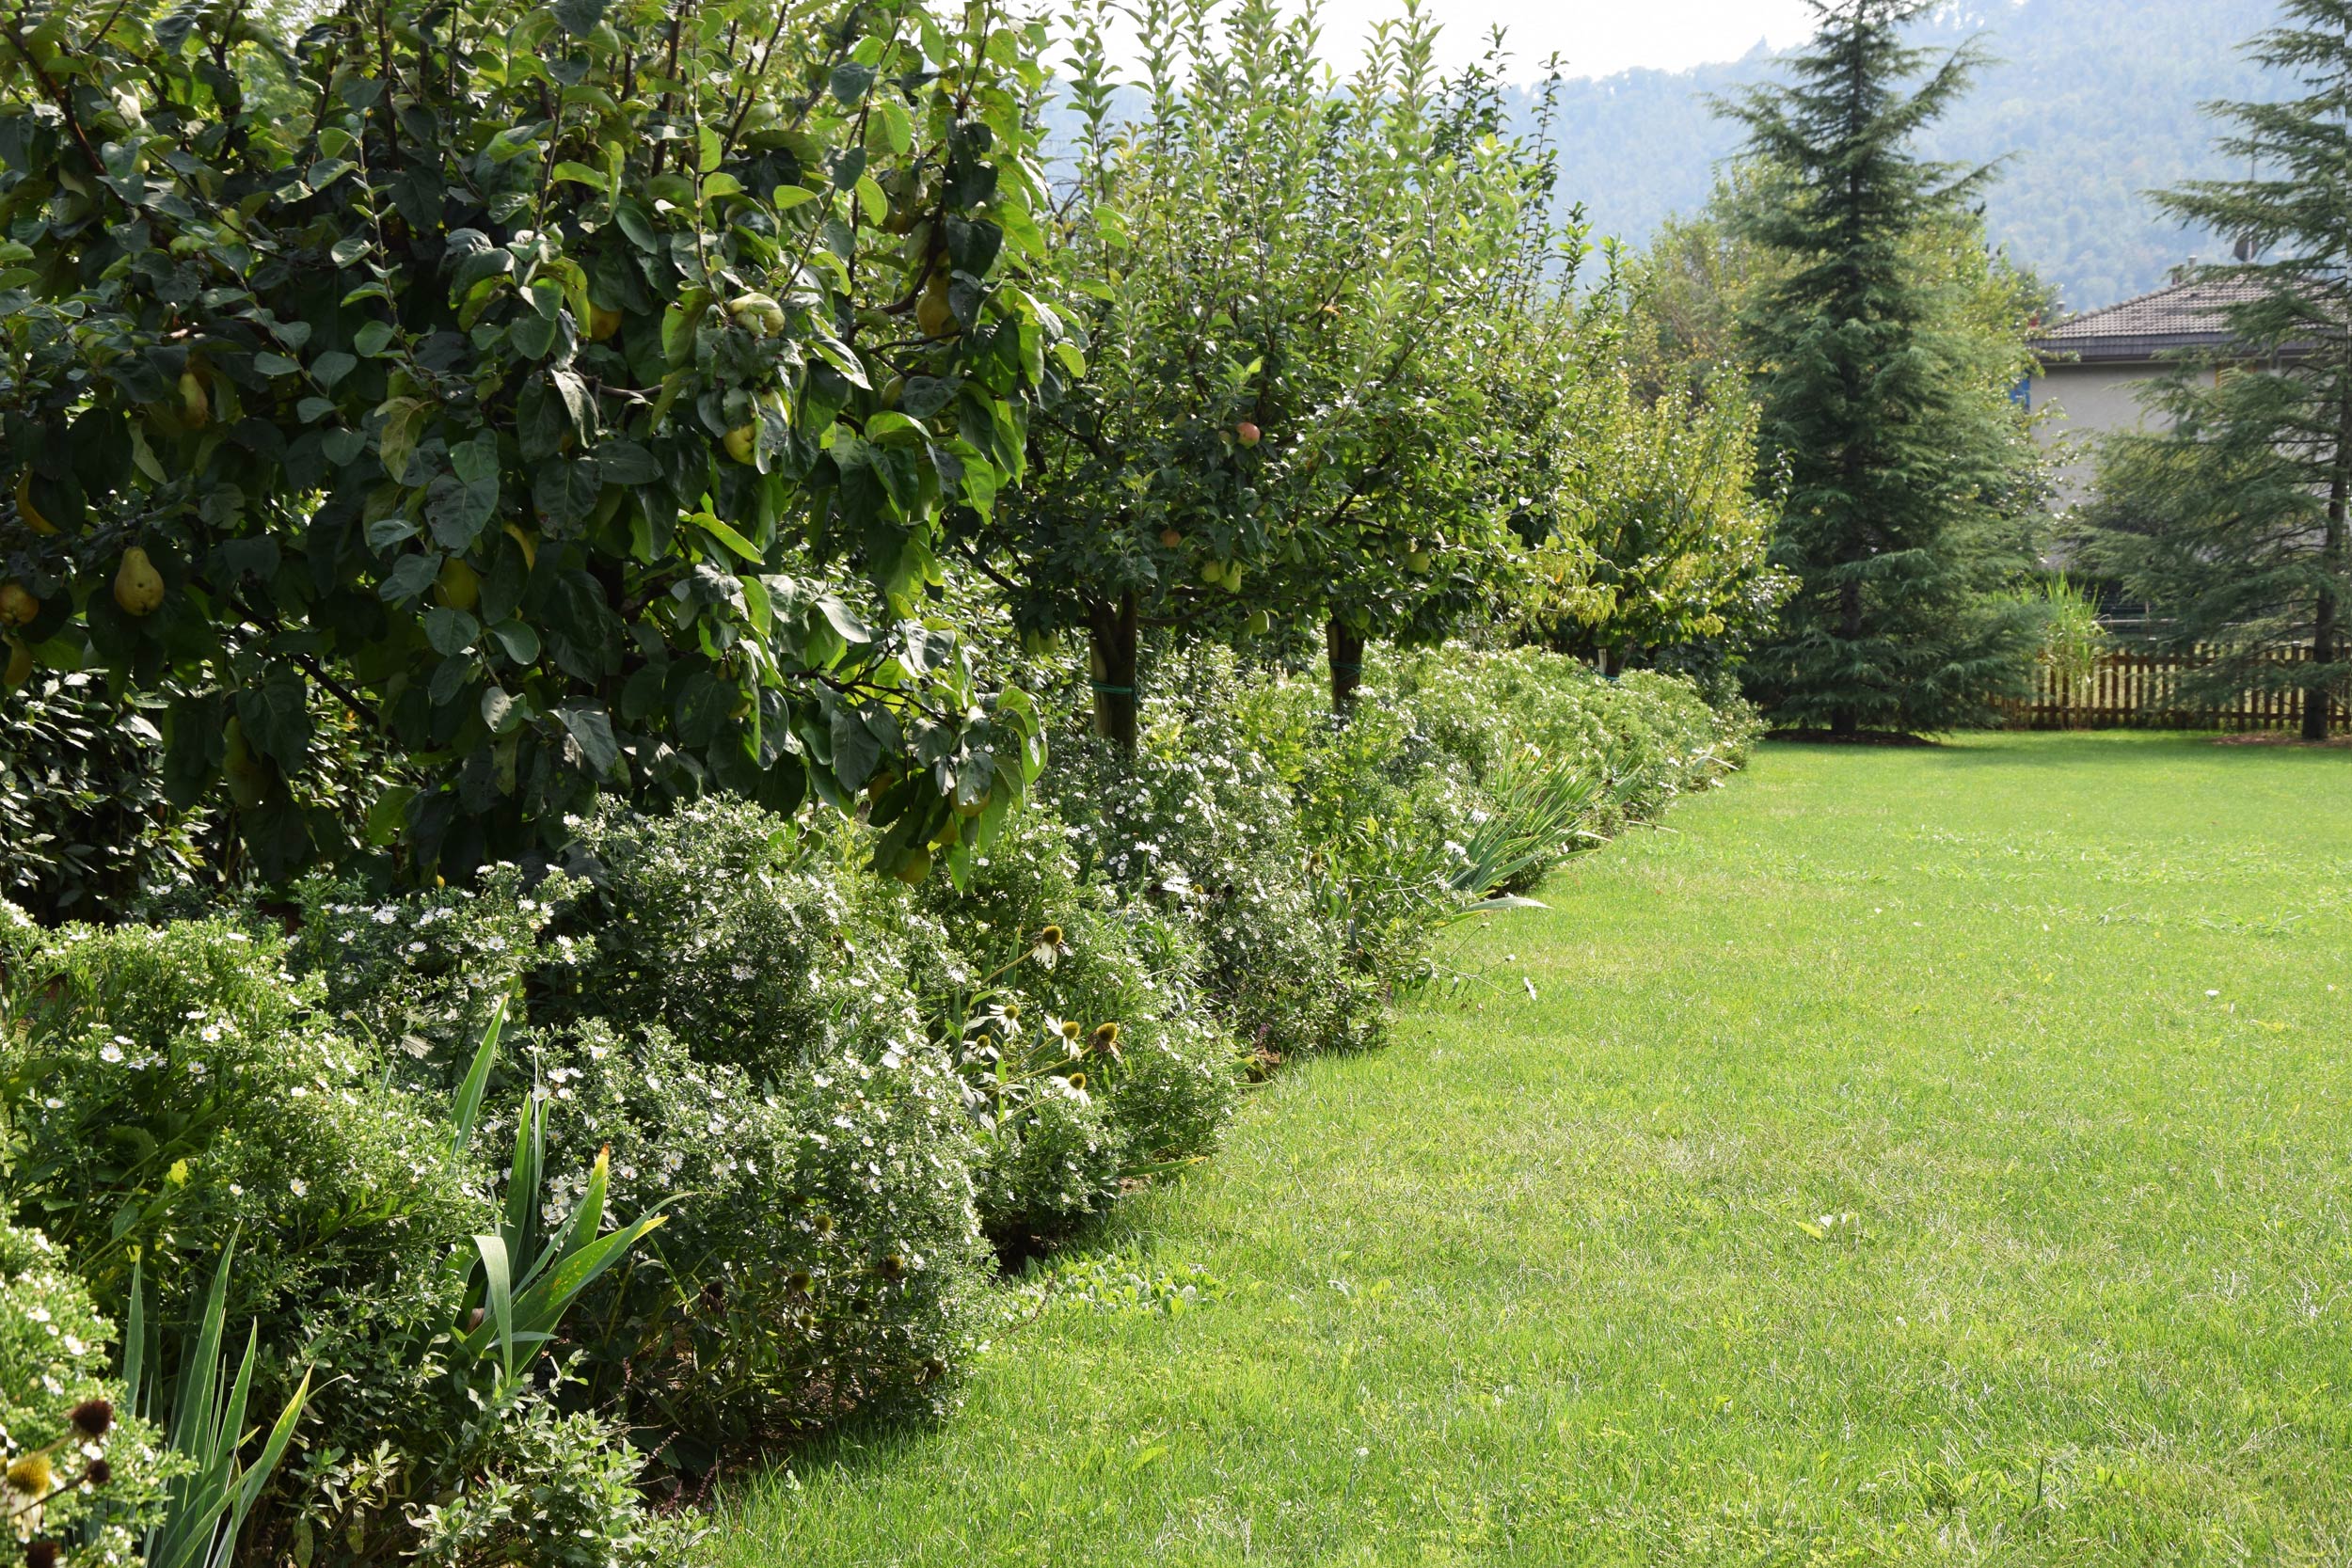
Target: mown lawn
(2064, 1023)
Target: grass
(1910, 1156)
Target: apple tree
(1275, 271)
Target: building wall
(2086, 401)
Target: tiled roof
(2185, 315)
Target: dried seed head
(92, 1418)
(40, 1554)
(99, 1473)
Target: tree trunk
(1846, 724)
(1111, 640)
(1346, 652)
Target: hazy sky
(1598, 38)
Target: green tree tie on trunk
(1908, 491)
(1114, 638)
(2229, 516)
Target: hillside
(2097, 101)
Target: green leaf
(843, 621)
(679, 325)
(857, 749)
(450, 679)
(592, 727)
(459, 505)
(742, 547)
(451, 631)
(543, 1306)
(466, 1110)
(535, 335)
(409, 578)
(566, 489)
(497, 1275)
(626, 463)
(275, 714)
(851, 81)
(404, 420)
(520, 642)
(636, 227)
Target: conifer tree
(1909, 482)
(2229, 516)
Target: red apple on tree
(1246, 432)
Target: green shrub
(420, 975)
(549, 1488)
(169, 1088)
(820, 1256)
(1028, 948)
(81, 1472)
(1198, 820)
(1650, 736)
(84, 829)
(723, 1004)
(740, 931)
(166, 1088)
(836, 1090)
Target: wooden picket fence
(2143, 690)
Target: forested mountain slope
(2096, 99)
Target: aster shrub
(166, 1087)
(420, 978)
(1200, 822)
(83, 1480)
(743, 931)
(1650, 737)
(1078, 1021)
(820, 1256)
(720, 999)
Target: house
(2095, 365)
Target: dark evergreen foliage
(1909, 481)
(2230, 517)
